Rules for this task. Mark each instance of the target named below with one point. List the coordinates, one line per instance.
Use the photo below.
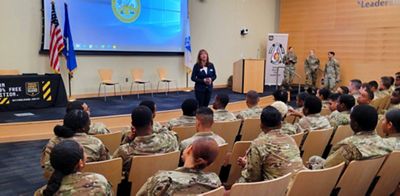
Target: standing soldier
(311, 66)
(332, 71)
(290, 60)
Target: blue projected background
(122, 25)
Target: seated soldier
(364, 144)
(397, 80)
(287, 128)
(145, 141)
(271, 155)
(332, 101)
(395, 100)
(219, 105)
(300, 98)
(354, 88)
(323, 94)
(311, 118)
(342, 115)
(392, 86)
(374, 87)
(384, 87)
(204, 122)
(253, 110)
(96, 127)
(342, 90)
(391, 127)
(189, 107)
(189, 179)
(283, 96)
(366, 95)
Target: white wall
(215, 27)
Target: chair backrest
(184, 132)
(379, 129)
(316, 143)
(162, 73)
(143, 167)
(119, 129)
(239, 150)
(276, 187)
(250, 129)
(216, 192)
(290, 119)
(298, 137)
(105, 75)
(389, 175)
(4, 72)
(219, 161)
(111, 169)
(316, 182)
(325, 112)
(342, 132)
(112, 140)
(358, 176)
(227, 130)
(137, 74)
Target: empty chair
(143, 167)
(184, 132)
(239, 150)
(112, 140)
(219, 161)
(342, 132)
(276, 187)
(137, 78)
(316, 182)
(388, 176)
(163, 76)
(111, 169)
(358, 176)
(6, 72)
(106, 80)
(298, 137)
(315, 143)
(216, 192)
(250, 129)
(227, 130)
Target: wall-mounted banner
(276, 49)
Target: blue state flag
(188, 46)
(69, 51)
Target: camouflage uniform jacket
(182, 181)
(182, 121)
(253, 112)
(312, 122)
(288, 128)
(311, 64)
(270, 156)
(162, 142)
(337, 118)
(289, 59)
(223, 115)
(393, 106)
(187, 142)
(394, 141)
(332, 69)
(127, 133)
(382, 94)
(98, 128)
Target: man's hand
(293, 112)
(242, 161)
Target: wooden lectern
(248, 74)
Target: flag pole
(69, 84)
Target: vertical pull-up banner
(276, 49)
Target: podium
(248, 74)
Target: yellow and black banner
(46, 90)
(4, 101)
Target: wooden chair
(143, 167)
(315, 182)
(388, 176)
(325, 112)
(239, 150)
(106, 80)
(379, 129)
(112, 141)
(163, 76)
(315, 143)
(119, 129)
(250, 129)
(219, 161)
(6, 72)
(276, 187)
(342, 132)
(227, 130)
(290, 119)
(358, 176)
(216, 192)
(111, 169)
(298, 137)
(137, 78)
(184, 132)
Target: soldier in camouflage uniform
(331, 72)
(204, 122)
(76, 125)
(395, 100)
(287, 128)
(67, 158)
(271, 155)
(365, 144)
(253, 110)
(219, 105)
(391, 127)
(189, 107)
(290, 60)
(311, 66)
(342, 115)
(323, 94)
(384, 88)
(189, 179)
(145, 141)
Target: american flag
(56, 40)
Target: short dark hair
(150, 104)
(205, 151)
(368, 90)
(74, 105)
(324, 92)
(311, 91)
(386, 82)
(373, 83)
(357, 83)
(365, 117)
(271, 117)
(252, 97)
(74, 121)
(391, 80)
(141, 117)
(223, 99)
(348, 100)
(345, 89)
(205, 115)
(302, 96)
(281, 95)
(313, 104)
(189, 107)
(332, 53)
(334, 96)
(393, 116)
